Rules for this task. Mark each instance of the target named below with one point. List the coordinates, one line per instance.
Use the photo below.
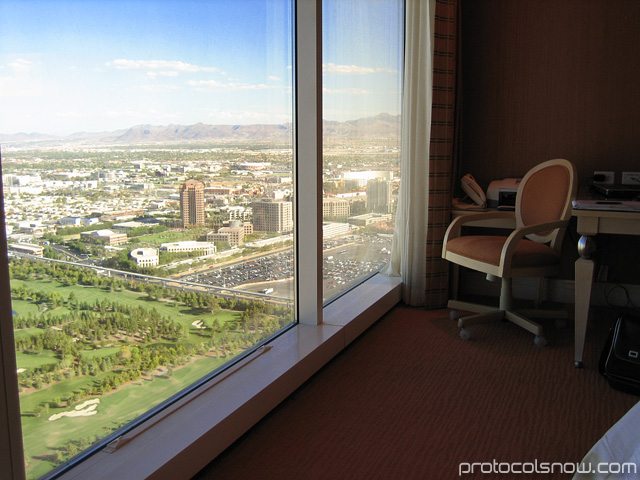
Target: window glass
(362, 84)
(147, 172)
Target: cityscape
(109, 205)
(138, 267)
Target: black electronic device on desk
(607, 205)
(617, 191)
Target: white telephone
(473, 190)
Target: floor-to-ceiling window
(147, 166)
(362, 84)
(149, 187)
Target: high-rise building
(273, 216)
(335, 207)
(379, 196)
(192, 203)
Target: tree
(213, 304)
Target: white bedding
(617, 453)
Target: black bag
(620, 359)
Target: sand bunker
(93, 401)
(85, 409)
(199, 324)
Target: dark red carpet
(410, 400)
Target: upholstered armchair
(541, 216)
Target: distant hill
(378, 126)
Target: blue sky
(89, 65)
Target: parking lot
(346, 261)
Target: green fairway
(176, 312)
(47, 440)
(27, 332)
(43, 437)
(36, 360)
(24, 307)
(100, 352)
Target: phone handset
(473, 190)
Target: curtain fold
(408, 254)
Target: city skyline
(68, 66)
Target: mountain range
(379, 126)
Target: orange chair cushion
(487, 249)
(544, 196)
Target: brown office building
(192, 203)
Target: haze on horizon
(69, 66)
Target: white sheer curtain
(408, 255)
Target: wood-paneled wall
(550, 79)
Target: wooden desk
(590, 223)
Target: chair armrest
(518, 234)
(483, 219)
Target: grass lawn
(177, 313)
(42, 437)
(27, 332)
(155, 239)
(100, 352)
(24, 307)
(35, 360)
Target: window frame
(172, 442)
(308, 159)
(11, 450)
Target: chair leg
(505, 294)
(484, 313)
(477, 318)
(528, 325)
(470, 307)
(480, 318)
(524, 322)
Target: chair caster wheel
(540, 341)
(454, 315)
(464, 334)
(578, 364)
(561, 323)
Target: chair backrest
(545, 195)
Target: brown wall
(549, 79)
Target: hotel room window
(362, 87)
(149, 185)
(147, 165)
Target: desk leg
(583, 282)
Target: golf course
(93, 353)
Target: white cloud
(159, 68)
(351, 69)
(20, 64)
(22, 78)
(273, 78)
(214, 85)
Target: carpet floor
(410, 400)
